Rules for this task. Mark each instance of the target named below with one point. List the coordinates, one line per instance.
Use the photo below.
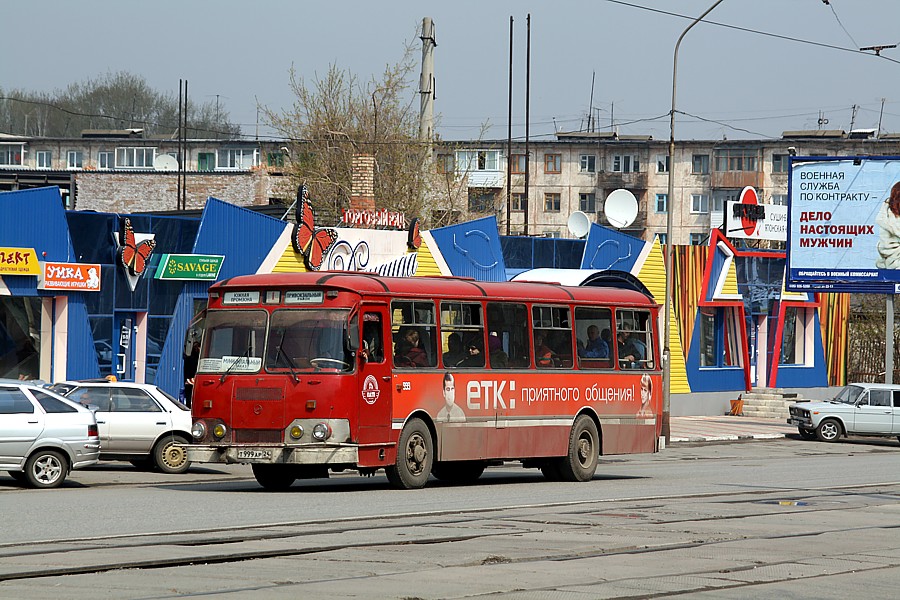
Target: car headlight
(321, 432)
(198, 430)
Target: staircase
(768, 403)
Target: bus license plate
(254, 454)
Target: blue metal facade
(472, 249)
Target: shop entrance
(124, 330)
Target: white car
(43, 436)
(138, 422)
(867, 409)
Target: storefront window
(20, 337)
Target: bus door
(375, 375)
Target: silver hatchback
(43, 436)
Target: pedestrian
(190, 370)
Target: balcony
(737, 179)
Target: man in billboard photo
(450, 412)
(889, 239)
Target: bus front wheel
(275, 478)
(415, 455)
(584, 451)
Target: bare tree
(112, 101)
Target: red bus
(302, 374)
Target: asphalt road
(784, 518)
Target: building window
(43, 159)
(662, 203)
(793, 341)
(236, 158)
(588, 163)
(517, 164)
(481, 200)
(518, 202)
(736, 159)
(551, 202)
(779, 163)
(11, 154)
(477, 160)
(697, 239)
(551, 233)
(445, 163)
(206, 161)
(662, 238)
(779, 199)
(662, 163)
(553, 163)
(74, 159)
(275, 159)
(699, 203)
(718, 337)
(720, 198)
(106, 159)
(626, 163)
(587, 203)
(135, 158)
(700, 164)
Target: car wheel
(807, 434)
(46, 469)
(828, 430)
(170, 456)
(415, 454)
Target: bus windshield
(307, 339)
(234, 341)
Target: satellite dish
(579, 224)
(621, 208)
(165, 162)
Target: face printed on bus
(449, 391)
(646, 390)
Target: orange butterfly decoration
(134, 257)
(314, 244)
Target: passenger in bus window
(450, 412)
(595, 347)
(455, 353)
(475, 356)
(499, 358)
(543, 355)
(629, 355)
(372, 346)
(409, 352)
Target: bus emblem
(370, 391)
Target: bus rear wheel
(275, 478)
(415, 455)
(584, 451)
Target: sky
(752, 69)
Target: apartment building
(578, 171)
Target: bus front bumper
(275, 455)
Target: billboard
(844, 226)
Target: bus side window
(413, 330)
(373, 344)
(507, 325)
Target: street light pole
(670, 242)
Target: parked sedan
(43, 436)
(138, 422)
(868, 409)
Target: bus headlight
(296, 432)
(321, 432)
(219, 431)
(198, 430)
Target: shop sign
(69, 276)
(189, 267)
(19, 261)
(373, 218)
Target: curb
(727, 438)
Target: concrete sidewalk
(726, 428)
